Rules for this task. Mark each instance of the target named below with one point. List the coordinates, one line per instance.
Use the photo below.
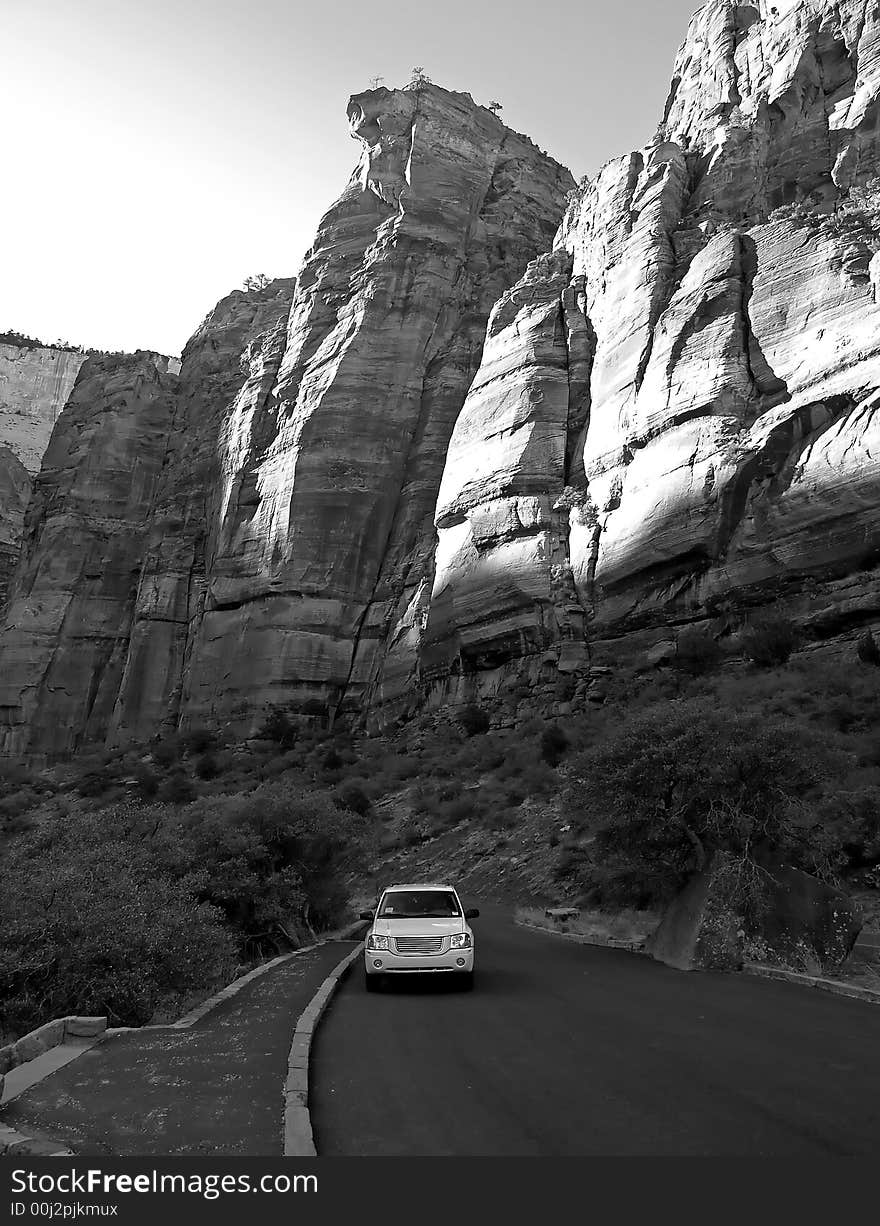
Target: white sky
(156, 152)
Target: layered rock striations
(332, 453)
(677, 413)
(475, 449)
(64, 642)
(35, 383)
(289, 524)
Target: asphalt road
(570, 1049)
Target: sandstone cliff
(368, 499)
(35, 383)
(291, 514)
(676, 418)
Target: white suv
(417, 930)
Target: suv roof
(417, 885)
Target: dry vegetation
(252, 847)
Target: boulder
(699, 931)
(805, 924)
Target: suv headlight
(461, 940)
(374, 942)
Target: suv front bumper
(382, 962)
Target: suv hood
(417, 927)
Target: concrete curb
(868, 995)
(13, 1143)
(299, 1141)
(633, 947)
(834, 986)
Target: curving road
(570, 1049)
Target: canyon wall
(292, 510)
(35, 382)
(677, 415)
(500, 432)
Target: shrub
(352, 796)
(166, 751)
(332, 760)
(473, 719)
(200, 740)
(538, 780)
(456, 810)
(278, 727)
(176, 789)
(92, 926)
(146, 781)
(670, 788)
(769, 640)
(867, 649)
(554, 743)
(696, 651)
(207, 766)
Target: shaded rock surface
(284, 541)
(806, 925)
(64, 642)
(15, 490)
(371, 500)
(699, 930)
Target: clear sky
(157, 152)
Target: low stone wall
(33, 1044)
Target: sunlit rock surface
(677, 412)
(322, 531)
(289, 527)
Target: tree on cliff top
(259, 281)
(661, 794)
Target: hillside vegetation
(133, 880)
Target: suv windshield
(424, 904)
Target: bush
(207, 766)
(146, 781)
(200, 740)
(176, 789)
(867, 649)
(473, 719)
(167, 751)
(768, 641)
(554, 743)
(352, 796)
(92, 926)
(278, 727)
(672, 787)
(696, 651)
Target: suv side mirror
(366, 915)
(472, 913)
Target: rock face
(699, 930)
(323, 533)
(288, 528)
(35, 383)
(64, 642)
(677, 417)
(799, 923)
(15, 490)
(370, 500)
(806, 925)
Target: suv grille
(419, 945)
